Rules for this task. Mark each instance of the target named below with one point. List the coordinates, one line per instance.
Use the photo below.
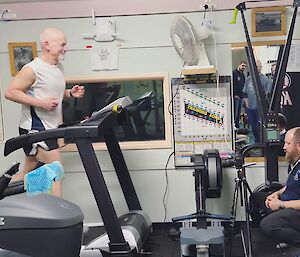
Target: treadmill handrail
(81, 130)
(86, 128)
(16, 143)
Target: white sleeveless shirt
(49, 82)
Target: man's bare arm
(17, 91)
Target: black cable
(167, 186)
(176, 92)
(3, 15)
(4, 12)
(205, 8)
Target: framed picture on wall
(21, 53)
(268, 21)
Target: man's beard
(290, 157)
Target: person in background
(251, 101)
(273, 69)
(40, 88)
(238, 84)
(271, 74)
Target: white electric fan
(187, 42)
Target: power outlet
(210, 7)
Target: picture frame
(21, 53)
(268, 21)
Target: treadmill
(126, 235)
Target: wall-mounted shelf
(196, 70)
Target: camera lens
(226, 163)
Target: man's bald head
(51, 35)
(292, 145)
(54, 45)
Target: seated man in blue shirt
(283, 222)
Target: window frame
(130, 145)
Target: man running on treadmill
(40, 87)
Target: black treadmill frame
(82, 136)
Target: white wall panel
(145, 48)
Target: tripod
(241, 188)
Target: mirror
(267, 52)
(148, 120)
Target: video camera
(235, 161)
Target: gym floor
(161, 244)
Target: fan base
(194, 70)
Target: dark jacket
(238, 83)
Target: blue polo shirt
(292, 191)
(250, 91)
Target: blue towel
(39, 181)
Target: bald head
(54, 45)
(295, 132)
(292, 145)
(51, 35)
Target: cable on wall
(7, 15)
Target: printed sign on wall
(104, 58)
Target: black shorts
(31, 150)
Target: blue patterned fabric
(39, 181)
